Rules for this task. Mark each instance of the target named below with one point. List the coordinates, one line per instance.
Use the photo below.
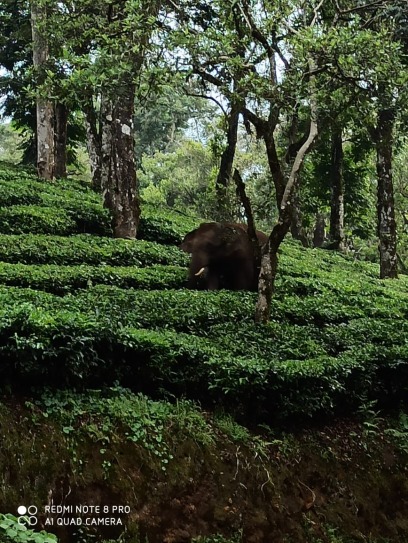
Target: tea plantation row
(178, 343)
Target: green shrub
(63, 279)
(165, 227)
(85, 249)
(11, 531)
(84, 209)
(22, 219)
(22, 194)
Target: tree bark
(241, 193)
(118, 164)
(226, 164)
(319, 230)
(45, 110)
(296, 228)
(265, 130)
(386, 225)
(94, 145)
(61, 124)
(337, 191)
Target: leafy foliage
(85, 249)
(178, 341)
(64, 279)
(11, 531)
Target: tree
(371, 67)
(183, 179)
(10, 141)
(44, 106)
(18, 87)
(103, 50)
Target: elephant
(222, 256)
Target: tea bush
(86, 249)
(167, 227)
(21, 219)
(64, 279)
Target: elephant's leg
(242, 275)
(213, 280)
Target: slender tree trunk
(269, 260)
(265, 130)
(296, 228)
(94, 145)
(118, 164)
(269, 266)
(337, 191)
(241, 193)
(61, 125)
(319, 230)
(274, 165)
(386, 225)
(45, 110)
(226, 164)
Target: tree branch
(206, 97)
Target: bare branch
(207, 97)
(375, 4)
(316, 10)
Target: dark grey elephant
(222, 256)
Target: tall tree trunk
(226, 163)
(94, 144)
(274, 163)
(118, 164)
(337, 191)
(45, 110)
(386, 225)
(61, 124)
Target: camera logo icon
(27, 515)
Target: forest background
(207, 89)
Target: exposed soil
(307, 484)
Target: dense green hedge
(177, 341)
(21, 219)
(28, 204)
(64, 279)
(86, 249)
(56, 219)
